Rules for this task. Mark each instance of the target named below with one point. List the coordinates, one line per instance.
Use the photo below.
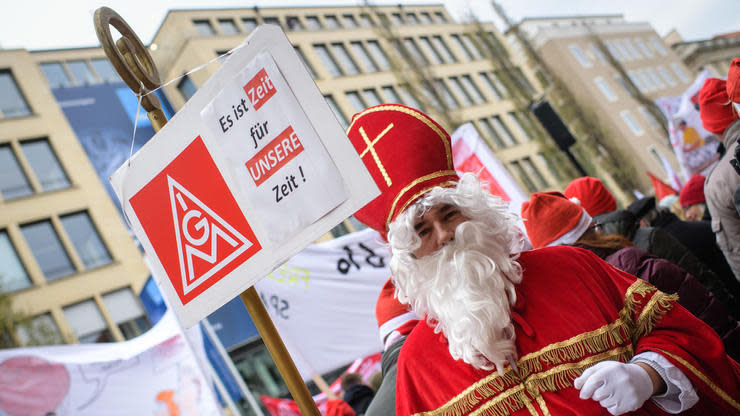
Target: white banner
(323, 301)
(154, 374)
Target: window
(554, 172)
(13, 182)
(643, 48)
(126, 311)
(249, 23)
(293, 23)
(656, 79)
(349, 21)
(523, 177)
(340, 230)
(305, 62)
(371, 97)
(331, 65)
(622, 49)
(647, 80)
(187, 87)
(81, 73)
(366, 20)
(378, 55)
(413, 49)
(430, 50)
(441, 47)
(461, 46)
(411, 18)
(631, 123)
(13, 275)
(332, 22)
(604, 87)
(467, 99)
(471, 46)
(576, 51)
(391, 96)
(350, 67)
(357, 103)
(496, 78)
(361, 52)
(637, 81)
(533, 172)
(105, 70)
(87, 322)
(492, 87)
(441, 18)
(613, 51)
(55, 74)
(491, 133)
(12, 102)
(337, 112)
(472, 89)
(409, 99)
(228, 27)
(632, 50)
(45, 164)
(658, 46)
(597, 52)
(42, 330)
(397, 19)
(271, 20)
(47, 249)
(86, 240)
(357, 225)
(425, 18)
(204, 27)
(503, 131)
(666, 75)
(313, 23)
(446, 94)
(516, 120)
(652, 122)
(679, 72)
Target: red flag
(662, 189)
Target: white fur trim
(573, 235)
(390, 325)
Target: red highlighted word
(274, 156)
(259, 89)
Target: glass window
(357, 225)
(313, 23)
(332, 22)
(647, 80)
(657, 44)
(331, 65)
(656, 79)
(472, 89)
(87, 322)
(383, 19)
(350, 67)
(632, 49)
(126, 311)
(349, 21)
(680, 72)
(447, 96)
(271, 20)
(378, 55)
(397, 19)
(361, 52)
(666, 75)
(409, 99)
(357, 103)
(517, 122)
(652, 122)
(491, 133)
(411, 18)
(470, 45)
(430, 50)
(503, 131)
(391, 96)
(613, 51)
(441, 47)
(533, 172)
(47, 249)
(523, 177)
(187, 87)
(461, 46)
(457, 86)
(294, 23)
(492, 87)
(55, 74)
(425, 18)
(371, 97)
(228, 27)
(441, 18)
(637, 81)
(85, 238)
(204, 27)
(622, 50)
(81, 73)
(645, 50)
(604, 87)
(550, 167)
(337, 112)
(622, 83)
(13, 182)
(340, 230)
(12, 103)
(305, 62)
(631, 123)
(496, 78)
(576, 51)
(45, 164)
(249, 23)
(415, 52)
(597, 52)
(366, 20)
(13, 275)
(42, 330)
(105, 70)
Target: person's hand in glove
(619, 387)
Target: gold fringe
(656, 308)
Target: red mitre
(406, 152)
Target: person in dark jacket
(622, 254)
(356, 393)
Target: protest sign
(251, 170)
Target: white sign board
(252, 169)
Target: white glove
(618, 387)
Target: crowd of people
(589, 310)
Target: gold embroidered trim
(371, 148)
(530, 407)
(721, 393)
(639, 287)
(423, 191)
(543, 405)
(660, 304)
(417, 115)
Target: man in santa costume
(554, 331)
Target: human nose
(444, 233)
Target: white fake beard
(467, 296)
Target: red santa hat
(693, 191)
(592, 194)
(394, 318)
(551, 219)
(733, 81)
(715, 109)
(406, 152)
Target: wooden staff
(137, 69)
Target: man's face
(694, 212)
(436, 227)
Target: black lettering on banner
(343, 265)
(378, 263)
(374, 260)
(279, 306)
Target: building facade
(615, 69)
(713, 54)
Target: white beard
(466, 289)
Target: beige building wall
(714, 54)
(84, 194)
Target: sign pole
(137, 69)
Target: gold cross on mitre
(371, 148)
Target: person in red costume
(554, 331)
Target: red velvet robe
(572, 311)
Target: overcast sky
(53, 24)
